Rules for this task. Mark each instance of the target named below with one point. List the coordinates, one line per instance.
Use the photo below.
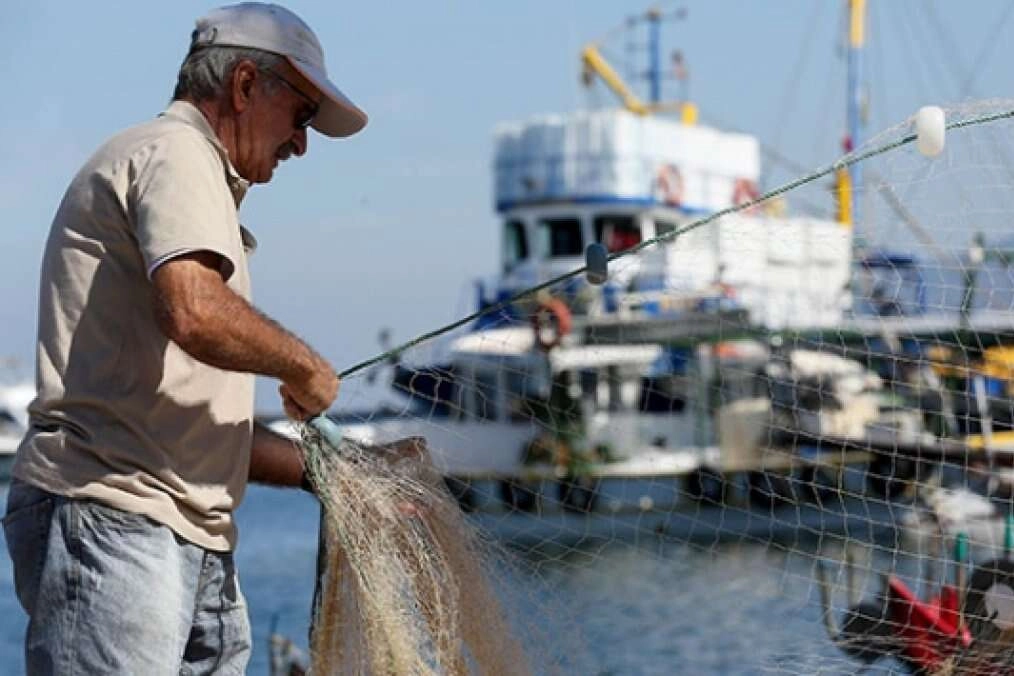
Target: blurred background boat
(16, 393)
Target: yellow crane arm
(596, 64)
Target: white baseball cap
(275, 29)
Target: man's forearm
(229, 333)
(197, 310)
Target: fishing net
(402, 591)
(767, 443)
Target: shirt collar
(189, 113)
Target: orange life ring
(670, 185)
(551, 321)
(744, 191)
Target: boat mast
(654, 17)
(849, 186)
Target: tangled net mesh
(404, 589)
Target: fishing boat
(668, 367)
(923, 634)
(759, 351)
(15, 395)
(974, 499)
(963, 626)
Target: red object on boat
(929, 631)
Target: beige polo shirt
(123, 415)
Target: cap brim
(338, 116)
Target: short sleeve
(179, 202)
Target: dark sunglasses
(305, 116)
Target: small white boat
(14, 399)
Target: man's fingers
(313, 396)
(292, 409)
(294, 412)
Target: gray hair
(205, 72)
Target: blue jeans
(110, 592)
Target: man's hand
(304, 399)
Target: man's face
(273, 126)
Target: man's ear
(244, 77)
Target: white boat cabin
(564, 182)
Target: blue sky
(391, 227)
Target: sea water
(629, 595)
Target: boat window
(435, 387)
(664, 227)
(516, 382)
(561, 237)
(614, 388)
(485, 396)
(735, 384)
(617, 232)
(515, 243)
(518, 388)
(589, 379)
(659, 395)
(457, 406)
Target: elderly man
(120, 518)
